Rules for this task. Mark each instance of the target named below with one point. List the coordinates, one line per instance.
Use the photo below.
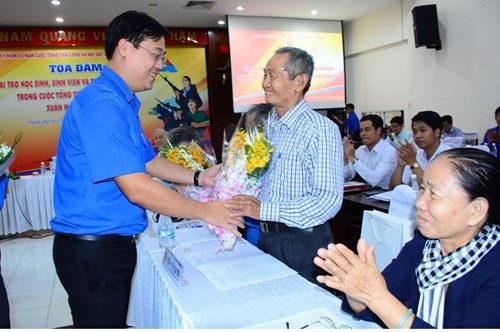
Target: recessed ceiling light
(55, 2)
(221, 22)
(240, 8)
(314, 12)
(59, 19)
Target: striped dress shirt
(304, 184)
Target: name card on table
(172, 265)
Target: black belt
(108, 238)
(278, 227)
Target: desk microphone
(15, 176)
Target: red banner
(36, 37)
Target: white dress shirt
(375, 166)
(423, 161)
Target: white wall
(384, 70)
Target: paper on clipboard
(385, 196)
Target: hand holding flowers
(246, 161)
(7, 153)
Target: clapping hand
(355, 275)
(407, 153)
(348, 149)
(492, 137)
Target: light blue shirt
(304, 184)
(454, 132)
(101, 138)
(400, 138)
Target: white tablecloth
(158, 302)
(28, 205)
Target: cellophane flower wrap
(190, 156)
(245, 162)
(7, 153)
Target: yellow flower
(239, 138)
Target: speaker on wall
(426, 27)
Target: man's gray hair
(299, 62)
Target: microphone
(15, 176)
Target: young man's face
(446, 126)
(423, 135)
(369, 135)
(396, 128)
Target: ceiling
(172, 13)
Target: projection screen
(253, 40)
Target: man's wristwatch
(415, 165)
(196, 177)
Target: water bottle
(166, 232)
(493, 149)
(42, 168)
(414, 182)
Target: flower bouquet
(245, 163)
(184, 150)
(7, 154)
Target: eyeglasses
(324, 322)
(158, 57)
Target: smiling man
(103, 182)
(374, 161)
(426, 126)
(303, 187)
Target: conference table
(216, 290)
(28, 205)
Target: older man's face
(278, 88)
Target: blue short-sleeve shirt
(101, 138)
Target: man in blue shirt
(351, 124)
(303, 187)
(103, 182)
(4, 301)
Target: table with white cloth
(28, 205)
(159, 301)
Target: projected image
(251, 47)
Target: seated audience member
(186, 135)
(183, 136)
(448, 275)
(426, 126)
(160, 138)
(398, 134)
(449, 130)
(374, 161)
(492, 135)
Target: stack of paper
(354, 185)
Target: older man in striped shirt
(303, 187)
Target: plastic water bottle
(493, 149)
(42, 168)
(166, 232)
(414, 182)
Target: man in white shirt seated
(448, 129)
(427, 127)
(374, 161)
(398, 134)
